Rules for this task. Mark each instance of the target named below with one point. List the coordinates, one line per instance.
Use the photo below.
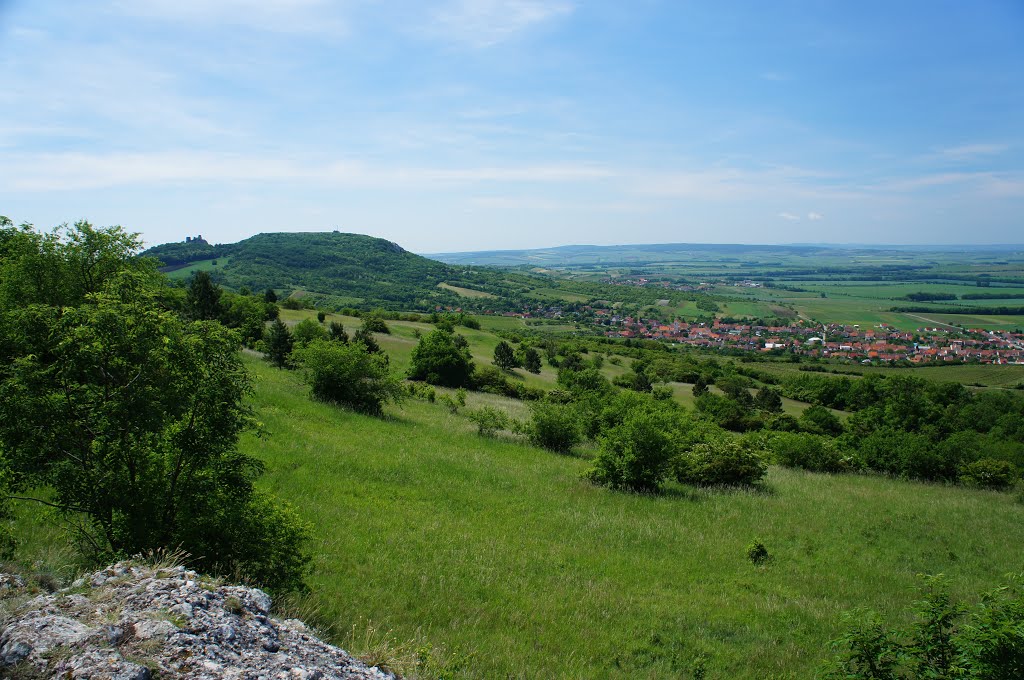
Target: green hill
(339, 264)
(350, 267)
(341, 270)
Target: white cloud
(286, 16)
(789, 216)
(483, 23)
(75, 171)
(815, 216)
(967, 151)
(730, 183)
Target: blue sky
(483, 124)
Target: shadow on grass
(697, 493)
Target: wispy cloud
(789, 216)
(483, 23)
(969, 151)
(287, 16)
(75, 171)
(814, 216)
(731, 183)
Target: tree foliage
(554, 426)
(636, 453)
(442, 358)
(348, 374)
(202, 299)
(946, 639)
(130, 414)
(279, 343)
(531, 360)
(505, 356)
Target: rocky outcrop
(134, 622)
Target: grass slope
(501, 555)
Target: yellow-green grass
(201, 266)
(555, 294)
(850, 311)
(747, 309)
(683, 393)
(896, 291)
(399, 343)
(501, 323)
(986, 321)
(466, 292)
(500, 553)
(989, 375)
(1008, 301)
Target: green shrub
(636, 453)
(758, 553)
(442, 358)
(819, 420)
(348, 374)
(336, 331)
(373, 323)
(130, 414)
(278, 343)
(866, 651)
(307, 331)
(809, 452)
(768, 399)
(720, 463)
(946, 639)
(489, 420)
(554, 427)
(989, 473)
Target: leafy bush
(348, 374)
(307, 331)
(809, 452)
(636, 453)
(336, 331)
(297, 303)
(131, 415)
(421, 391)
(988, 473)
(819, 420)
(373, 323)
(946, 639)
(720, 463)
(768, 399)
(440, 358)
(554, 427)
(489, 420)
(758, 553)
(727, 413)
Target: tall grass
(494, 559)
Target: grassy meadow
(491, 558)
(186, 273)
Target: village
(881, 344)
(850, 343)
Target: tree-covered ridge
(182, 253)
(329, 263)
(370, 272)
